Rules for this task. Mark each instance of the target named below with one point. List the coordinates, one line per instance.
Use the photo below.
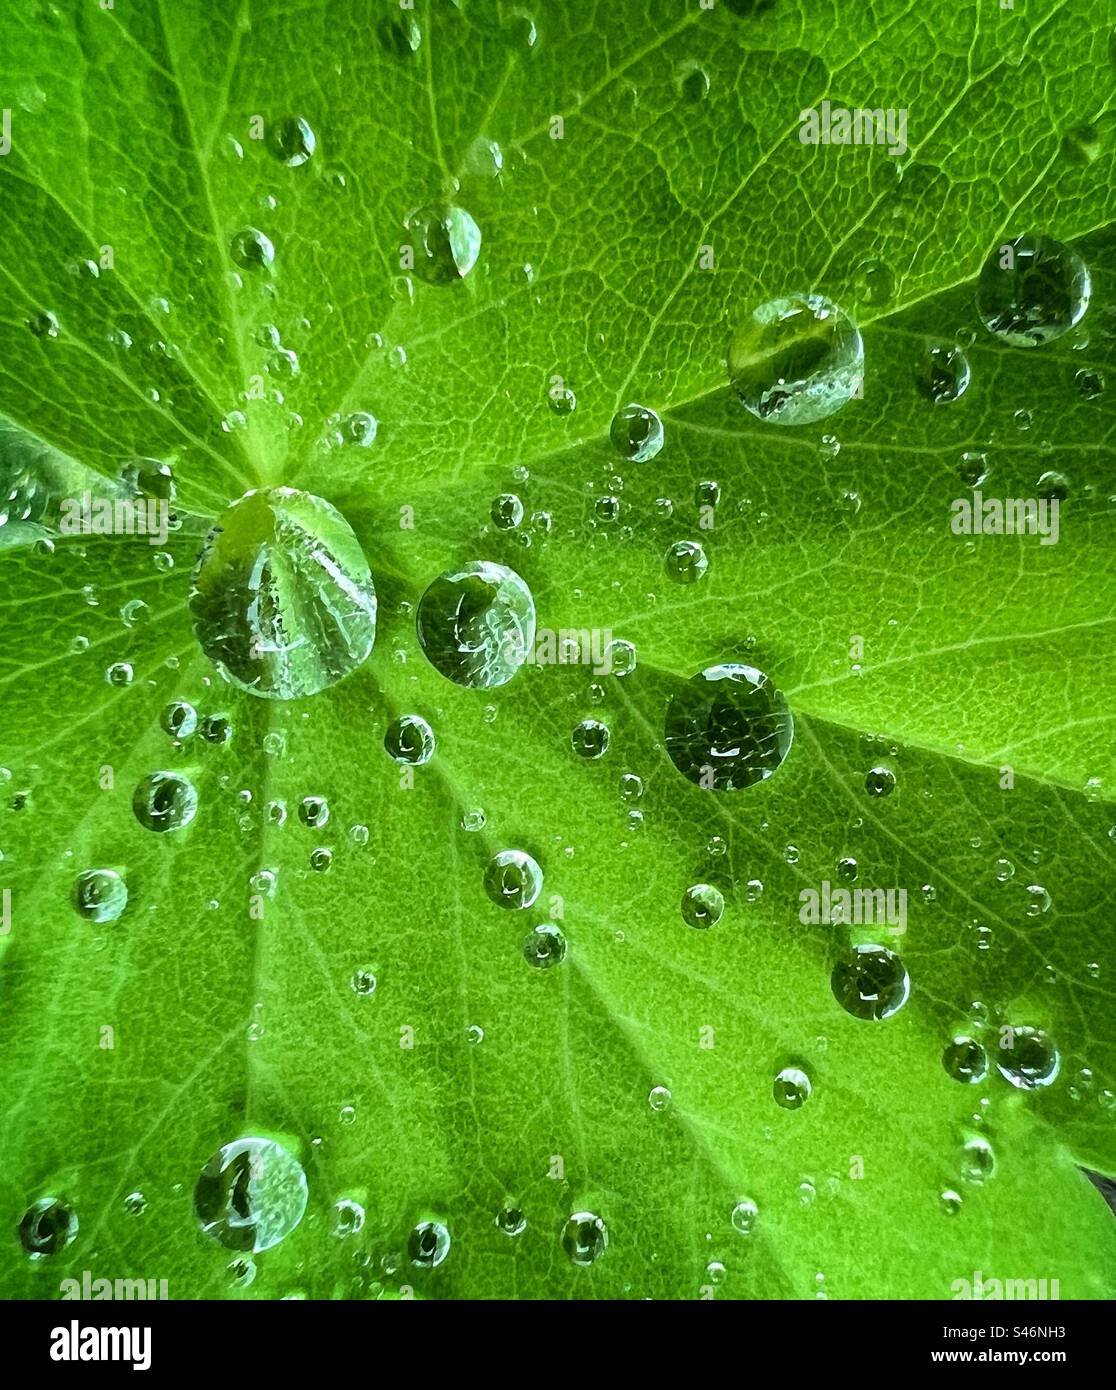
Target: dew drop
(410, 739)
(282, 598)
(165, 801)
(686, 562)
(513, 879)
(590, 739)
(100, 895)
(636, 433)
(1028, 1059)
(251, 1194)
(1032, 290)
(792, 1088)
(428, 1244)
(476, 625)
(48, 1226)
(584, 1238)
(943, 374)
(251, 250)
(446, 243)
(291, 141)
(728, 728)
(796, 360)
(965, 1060)
(544, 946)
(703, 905)
(871, 982)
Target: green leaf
(614, 263)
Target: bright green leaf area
(132, 129)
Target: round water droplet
(348, 1218)
(686, 562)
(48, 1226)
(363, 983)
(871, 982)
(728, 728)
(251, 250)
(1027, 1058)
(636, 433)
(1032, 290)
(506, 511)
(792, 1088)
(358, 430)
(476, 625)
(510, 1221)
(950, 1202)
(513, 879)
(251, 1195)
(410, 739)
(943, 374)
(879, 781)
(282, 598)
(544, 947)
(590, 739)
(100, 895)
(165, 801)
(584, 1238)
(659, 1099)
(796, 359)
(973, 469)
(965, 1060)
(291, 141)
(446, 243)
(744, 1216)
(702, 905)
(428, 1244)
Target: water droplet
(43, 324)
(1053, 485)
(251, 1194)
(1089, 382)
(476, 625)
(321, 860)
(100, 895)
(313, 811)
(796, 359)
(973, 469)
(282, 598)
(871, 982)
(875, 284)
(659, 1098)
(544, 947)
(251, 250)
(410, 739)
(636, 433)
(950, 1202)
(1028, 1059)
(348, 1218)
(965, 1060)
(978, 1162)
(506, 511)
(631, 787)
(728, 728)
(943, 374)
(446, 243)
(513, 879)
(510, 1221)
(1032, 290)
(879, 781)
(428, 1244)
(686, 562)
(135, 1204)
(590, 739)
(291, 141)
(584, 1238)
(363, 983)
(703, 905)
(744, 1216)
(165, 801)
(562, 400)
(620, 658)
(48, 1226)
(792, 1088)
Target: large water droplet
(792, 1088)
(410, 739)
(165, 801)
(100, 895)
(636, 433)
(291, 141)
(545, 946)
(686, 562)
(282, 597)
(965, 1060)
(48, 1226)
(250, 1195)
(1032, 290)
(513, 879)
(477, 624)
(796, 359)
(728, 727)
(871, 982)
(428, 1244)
(702, 905)
(446, 243)
(942, 375)
(1028, 1058)
(584, 1238)
(251, 250)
